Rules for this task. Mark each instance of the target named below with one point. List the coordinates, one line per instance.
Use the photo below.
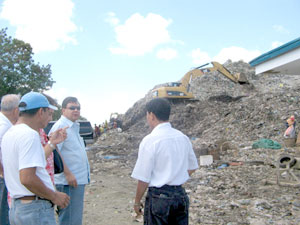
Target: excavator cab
(174, 84)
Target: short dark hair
(160, 107)
(68, 100)
(30, 112)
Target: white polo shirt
(22, 148)
(165, 156)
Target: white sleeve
(31, 153)
(145, 162)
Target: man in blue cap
(33, 194)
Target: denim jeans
(33, 212)
(166, 205)
(4, 220)
(72, 215)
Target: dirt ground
(110, 195)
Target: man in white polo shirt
(24, 162)
(165, 161)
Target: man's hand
(58, 136)
(71, 179)
(140, 190)
(61, 199)
(138, 208)
(34, 184)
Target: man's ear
(152, 116)
(41, 111)
(16, 111)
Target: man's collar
(161, 125)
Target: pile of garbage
(240, 186)
(242, 192)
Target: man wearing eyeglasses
(76, 167)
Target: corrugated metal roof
(276, 52)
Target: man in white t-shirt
(32, 192)
(8, 116)
(165, 161)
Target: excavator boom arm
(225, 72)
(236, 78)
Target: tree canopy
(19, 73)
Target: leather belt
(34, 197)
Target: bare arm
(48, 150)
(140, 191)
(34, 184)
(55, 138)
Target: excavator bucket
(237, 77)
(241, 78)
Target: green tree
(19, 73)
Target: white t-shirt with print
(22, 148)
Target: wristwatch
(51, 145)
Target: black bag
(58, 163)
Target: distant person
(96, 130)
(8, 116)
(106, 126)
(99, 130)
(33, 194)
(290, 132)
(76, 166)
(101, 127)
(165, 161)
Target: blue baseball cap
(34, 100)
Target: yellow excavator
(181, 90)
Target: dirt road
(110, 195)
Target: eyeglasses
(74, 107)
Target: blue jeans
(35, 212)
(166, 205)
(72, 215)
(4, 220)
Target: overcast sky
(109, 54)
